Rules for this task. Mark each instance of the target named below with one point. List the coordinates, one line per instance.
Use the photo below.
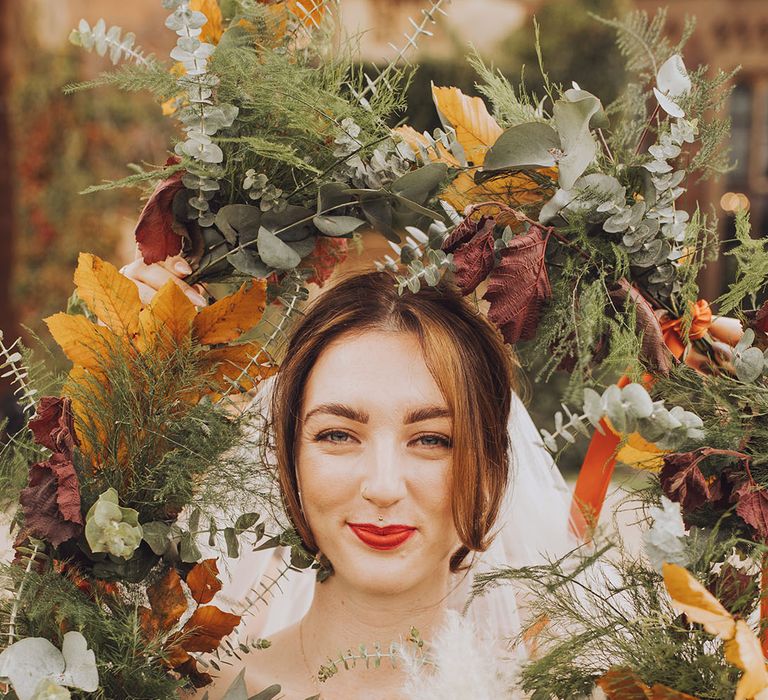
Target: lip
(382, 538)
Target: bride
(405, 460)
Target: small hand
(149, 278)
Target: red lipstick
(382, 538)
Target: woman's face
(374, 462)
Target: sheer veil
(532, 527)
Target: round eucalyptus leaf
(332, 194)
(155, 534)
(235, 220)
(337, 225)
(421, 184)
(246, 261)
(28, 661)
(554, 206)
(637, 400)
(305, 246)
(276, 253)
(291, 224)
(80, 670)
(523, 146)
(572, 121)
(749, 364)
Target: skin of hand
(149, 278)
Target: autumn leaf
(51, 501)
(230, 317)
(234, 364)
(752, 508)
(167, 319)
(157, 232)
(519, 286)
(683, 481)
(476, 129)
(471, 243)
(328, 254)
(108, 294)
(203, 581)
(744, 652)
(206, 628)
(87, 423)
(654, 351)
(690, 597)
(621, 683)
(438, 154)
(84, 343)
(53, 425)
(166, 596)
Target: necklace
(312, 676)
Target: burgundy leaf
(734, 588)
(519, 286)
(752, 507)
(53, 425)
(682, 480)
(760, 321)
(466, 231)
(51, 501)
(473, 261)
(156, 229)
(654, 351)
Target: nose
(383, 482)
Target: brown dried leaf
(518, 286)
(157, 230)
(230, 317)
(473, 261)
(654, 351)
(682, 480)
(53, 425)
(203, 581)
(752, 507)
(166, 596)
(51, 501)
(622, 683)
(206, 628)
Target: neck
(342, 618)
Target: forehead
(383, 368)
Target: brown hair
(472, 367)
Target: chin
(382, 574)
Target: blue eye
(330, 436)
(435, 441)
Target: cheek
(328, 483)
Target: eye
(434, 441)
(338, 437)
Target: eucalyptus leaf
(237, 691)
(276, 253)
(305, 246)
(422, 184)
(246, 521)
(188, 549)
(245, 260)
(291, 224)
(194, 520)
(271, 692)
(578, 144)
(155, 534)
(337, 225)
(233, 546)
(749, 364)
(234, 219)
(554, 206)
(332, 194)
(528, 145)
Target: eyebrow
(415, 416)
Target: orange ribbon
(600, 461)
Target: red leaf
(752, 508)
(156, 230)
(466, 231)
(734, 588)
(473, 261)
(53, 425)
(51, 501)
(202, 581)
(682, 480)
(519, 286)
(329, 252)
(654, 351)
(760, 321)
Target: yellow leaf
(414, 139)
(108, 294)
(234, 364)
(476, 129)
(83, 342)
(230, 317)
(699, 605)
(167, 319)
(512, 190)
(744, 652)
(212, 30)
(90, 430)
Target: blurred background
(54, 145)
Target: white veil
(532, 527)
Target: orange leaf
(622, 683)
(231, 316)
(212, 30)
(662, 692)
(108, 294)
(476, 129)
(167, 599)
(513, 190)
(90, 431)
(83, 342)
(202, 581)
(234, 364)
(206, 628)
(744, 652)
(699, 605)
(167, 318)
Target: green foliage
(752, 267)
